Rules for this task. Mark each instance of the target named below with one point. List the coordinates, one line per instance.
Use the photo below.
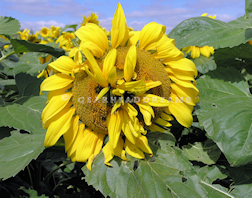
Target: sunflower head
(140, 81)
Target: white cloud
(39, 24)
(225, 17)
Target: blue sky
(39, 13)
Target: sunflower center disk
(85, 90)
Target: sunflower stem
(6, 55)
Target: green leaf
(211, 173)
(27, 85)
(242, 186)
(206, 152)
(8, 25)
(68, 27)
(21, 46)
(204, 31)
(28, 63)
(7, 82)
(238, 57)
(19, 149)
(225, 112)
(248, 8)
(204, 64)
(167, 174)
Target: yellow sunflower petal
(56, 81)
(134, 37)
(119, 31)
(112, 77)
(56, 104)
(109, 62)
(182, 75)
(165, 48)
(156, 128)
(77, 142)
(150, 33)
(63, 64)
(162, 122)
(58, 128)
(114, 127)
(154, 100)
(98, 75)
(195, 53)
(152, 84)
(142, 143)
(133, 150)
(70, 135)
(126, 129)
(102, 93)
(182, 113)
(130, 63)
(147, 112)
(182, 64)
(189, 95)
(184, 83)
(93, 34)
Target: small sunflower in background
(125, 84)
(196, 51)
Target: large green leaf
(206, 152)
(19, 149)
(26, 46)
(238, 57)
(204, 64)
(27, 85)
(226, 112)
(8, 25)
(167, 174)
(28, 63)
(202, 31)
(248, 8)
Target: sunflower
(197, 51)
(122, 86)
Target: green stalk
(6, 55)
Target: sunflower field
(90, 112)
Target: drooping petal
(109, 62)
(182, 112)
(182, 75)
(189, 95)
(142, 143)
(133, 150)
(119, 31)
(165, 48)
(114, 127)
(150, 33)
(182, 64)
(152, 84)
(70, 135)
(147, 112)
(134, 37)
(102, 93)
(56, 104)
(162, 122)
(195, 53)
(57, 128)
(130, 63)
(56, 81)
(93, 38)
(98, 75)
(154, 100)
(112, 77)
(63, 64)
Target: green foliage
(8, 25)
(206, 152)
(22, 146)
(163, 175)
(202, 31)
(224, 104)
(26, 46)
(212, 158)
(205, 64)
